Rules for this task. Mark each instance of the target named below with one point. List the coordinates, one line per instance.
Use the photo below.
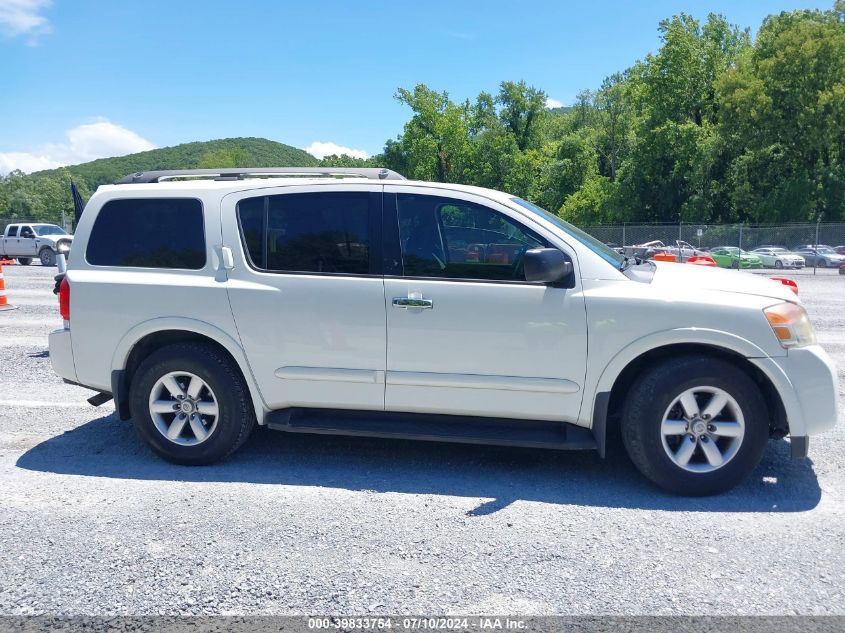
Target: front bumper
(808, 384)
(61, 354)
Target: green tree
(234, 157)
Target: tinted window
(49, 229)
(26, 232)
(308, 232)
(13, 231)
(444, 237)
(149, 233)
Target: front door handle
(413, 302)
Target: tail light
(64, 299)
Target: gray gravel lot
(91, 522)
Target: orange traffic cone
(4, 303)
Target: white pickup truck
(25, 242)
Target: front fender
(603, 382)
(131, 338)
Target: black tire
(24, 261)
(653, 393)
(778, 264)
(47, 257)
(236, 417)
(822, 263)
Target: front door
(466, 333)
(26, 242)
(307, 295)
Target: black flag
(78, 204)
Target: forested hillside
(712, 127)
(43, 195)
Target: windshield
(825, 250)
(598, 247)
(49, 229)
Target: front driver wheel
(190, 403)
(695, 425)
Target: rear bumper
(61, 354)
(807, 382)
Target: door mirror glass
(548, 266)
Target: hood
(55, 238)
(686, 277)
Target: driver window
(26, 232)
(445, 237)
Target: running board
(434, 428)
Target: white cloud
(553, 103)
(101, 139)
(23, 17)
(321, 150)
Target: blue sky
(85, 78)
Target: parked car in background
(823, 256)
(647, 250)
(840, 250)
(734, 257)
(803, 246)
(773, 257)
(28, 241)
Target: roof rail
(240, 173)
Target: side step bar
(435, 428)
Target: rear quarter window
(149, 233)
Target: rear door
(466, 333)
(307, 293)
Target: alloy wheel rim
(702, 429)
(183, 408)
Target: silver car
(776, 257)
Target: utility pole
(816, 245)
(680, 239)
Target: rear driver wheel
(695, 425)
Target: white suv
(353, 301)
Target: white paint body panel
(312, 340)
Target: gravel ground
(91, 522)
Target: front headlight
(790, 324)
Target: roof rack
(240, 173)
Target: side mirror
(548, 266)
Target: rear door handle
(413, 302)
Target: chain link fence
(705, 236)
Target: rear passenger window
(149, 233)
(308, 232)
(13, 232)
